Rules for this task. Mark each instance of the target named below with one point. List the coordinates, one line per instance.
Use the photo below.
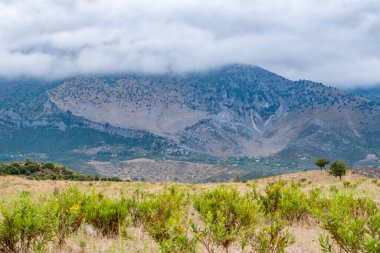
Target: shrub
(346, 204)
(286, 199)
(347, 233)
(105, 214)
(164, 217)
(348, 184)
(227, 216)
(353, 224)
(26, 225)
(325, 244)
(273, 195)
(71, 205)
(294, 205)
(273, 238)
(334, 189)
(318, 203)
(372, 240)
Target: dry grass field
(137, 240)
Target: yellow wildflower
(74, 208)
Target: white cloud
(335, 42)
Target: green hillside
(47, 171)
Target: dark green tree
(321, 163)
(338, 169)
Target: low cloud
(335, 42)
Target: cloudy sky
(332, 41)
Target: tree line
(47, 171)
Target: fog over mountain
(334, 42)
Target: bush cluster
(182, 221)
(230, 217)
(26, 225)
(164, 216)
(105, 214)
(47, 171)
(353, 225)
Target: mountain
(371, 93)
(233, 111)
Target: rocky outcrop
(366, 171)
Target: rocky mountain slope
(236, 110)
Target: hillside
(303, 223)
(207, 117)
(47, 171)
(371, 93)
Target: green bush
(26, 225)
(318, 203)
(351, 185)
(165, 218)
(227, 216)
(230, 217)
(334, 189)
(286, 199)
(273, 238)
(353, 225)
(346, 204)
(105, 214)
(71, 205)
(272, 197)
(294, 205)
(371, 241)
(352, 234)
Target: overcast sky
(336, 42)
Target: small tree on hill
(338, 169)
(321, 163)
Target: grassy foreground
(300, 212)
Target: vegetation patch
(47, 171)
(235, 217)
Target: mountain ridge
(236, 110)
